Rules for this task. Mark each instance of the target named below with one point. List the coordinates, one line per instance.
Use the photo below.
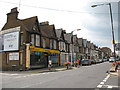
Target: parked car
(86, 62)
(97, 60)
(111, 59)
(100, 61)
(93, 61)
(104, 60)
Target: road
(83, 77)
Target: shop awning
(33, 48)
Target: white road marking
(99, 86)
(102, 83)
(104, 80)
(109, 86)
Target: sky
(70, 15)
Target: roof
(60, 34)
(74, 39)
(80, 41)
(48, 31)
(68, 37)
(29, 23)
(11, 25)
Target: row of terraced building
(28, 43)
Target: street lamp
(112, 28)
(72, 43)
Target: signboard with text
(14, 56)
(11, 41)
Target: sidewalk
(43, 70)
(112, 71)
(53, 69)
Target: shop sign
(11, 41)
(14, 56)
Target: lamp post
(113, 42)
(72, 43)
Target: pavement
(53, 69)
(113, 72)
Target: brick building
(25, 45)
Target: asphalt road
(83, 77)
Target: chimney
(13, 14)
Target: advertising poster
(11, 41)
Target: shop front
(39, 57)
(63, 58)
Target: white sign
(11, 41)
(14, 56)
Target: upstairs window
(32, 39)
(55, 44)
(44, 41)
(51, 45)
(37, 40)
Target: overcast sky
(70, 15)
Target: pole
(113, 35)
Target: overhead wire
(70, 11)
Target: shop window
(37, 40)
(21, 58)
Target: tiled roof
(48, 31)
(68, 37)
(29, 23)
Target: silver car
(111, 59)
(86, 62)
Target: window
(37, 40)
(34, 27)
(32, 39)
(59, 46)
(21, 39)
(44, 43)
(51, 44)
(54, 44)
(64, 47)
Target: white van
(111, 59)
